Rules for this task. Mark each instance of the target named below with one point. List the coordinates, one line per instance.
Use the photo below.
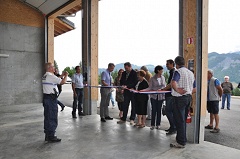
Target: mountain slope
(225, 65)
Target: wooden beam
(66, 8)
(58, 22)
(50, 40)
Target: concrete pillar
(194, 49)
(90, 54)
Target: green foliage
(70, 71)
(166, 75)
(55, 64)
(236, 92)
(99, 78)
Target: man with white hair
(214, 93)
(227, 90)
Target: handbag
(164, 110)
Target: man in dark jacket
(129, 80)
(227, 90)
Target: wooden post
(50, 55)
(90, 54)
(195, 21)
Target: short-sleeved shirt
(50, 82)
(77, 79)
(106, 77)
(176, 77)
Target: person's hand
(181, 91)
(74, 94)
(65, 73)
(124, 87)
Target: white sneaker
(113, 107)
(132, 122)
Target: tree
(166, 75)
(236, 92)
(70, 71)
(56, 65)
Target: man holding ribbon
(105, 91)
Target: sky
(146, 32)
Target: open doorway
(223, 59)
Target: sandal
(137, 124)
(208, 127)
(141, 126)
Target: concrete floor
(21, 129)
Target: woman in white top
(156, 82)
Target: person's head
(170, 64)
(144, 68)
(226, 78)
(210, 74)
(128, 66)
(111, 67)
(179, 61)
(77, 69)
(158, 70)
(49, 67)
(120, 71)
(141, 74)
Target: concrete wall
(20, 73)
(22, 38)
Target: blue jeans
(129, 96)
(224, 96)
(156, 111)
(169, 113)
(112, 99)
(77, 99)
(180, 111)
(50, 115)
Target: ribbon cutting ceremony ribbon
(102, 86)
(131, 90)
(148, 92)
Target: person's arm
(64, 80)
(176, 77)
(74, 86)
(231, 87)
(167, 87)
(220, 90)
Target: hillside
(225, 65)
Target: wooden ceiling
(60, 27)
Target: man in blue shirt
(106, 92)
(214, 93)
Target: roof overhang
(58, 10)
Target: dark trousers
(77, 100)
(169, 113)
(180, 111)
(50, 115)
(156, 111)
(128, 96)
(120, 106)
(60, 103)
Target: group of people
(181, 83)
